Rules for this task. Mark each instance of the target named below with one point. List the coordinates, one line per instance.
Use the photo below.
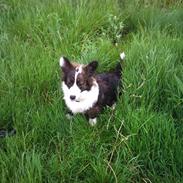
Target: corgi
(86, 92)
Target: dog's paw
(93, 121)
(113, 106)
(69, 116)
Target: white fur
(84, 100)
(68, 116)
(122, 56)
(114, 106)
(61, 62)
(75, 90)
(93, 121)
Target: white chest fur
(86, 98)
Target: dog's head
(77, 79)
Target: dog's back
(109, 84)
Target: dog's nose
(72, 97)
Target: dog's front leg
(92, 114)
(69, 115)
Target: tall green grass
(141, 140)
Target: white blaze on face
(75, 90)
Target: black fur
(109, 84)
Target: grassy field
(141, 141)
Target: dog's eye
(70, 82)
(79, 82)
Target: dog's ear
(91, 67)
(65, 64)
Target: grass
(141, 141)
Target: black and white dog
(87, 92)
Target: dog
(86, 92)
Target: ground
(141, 140)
